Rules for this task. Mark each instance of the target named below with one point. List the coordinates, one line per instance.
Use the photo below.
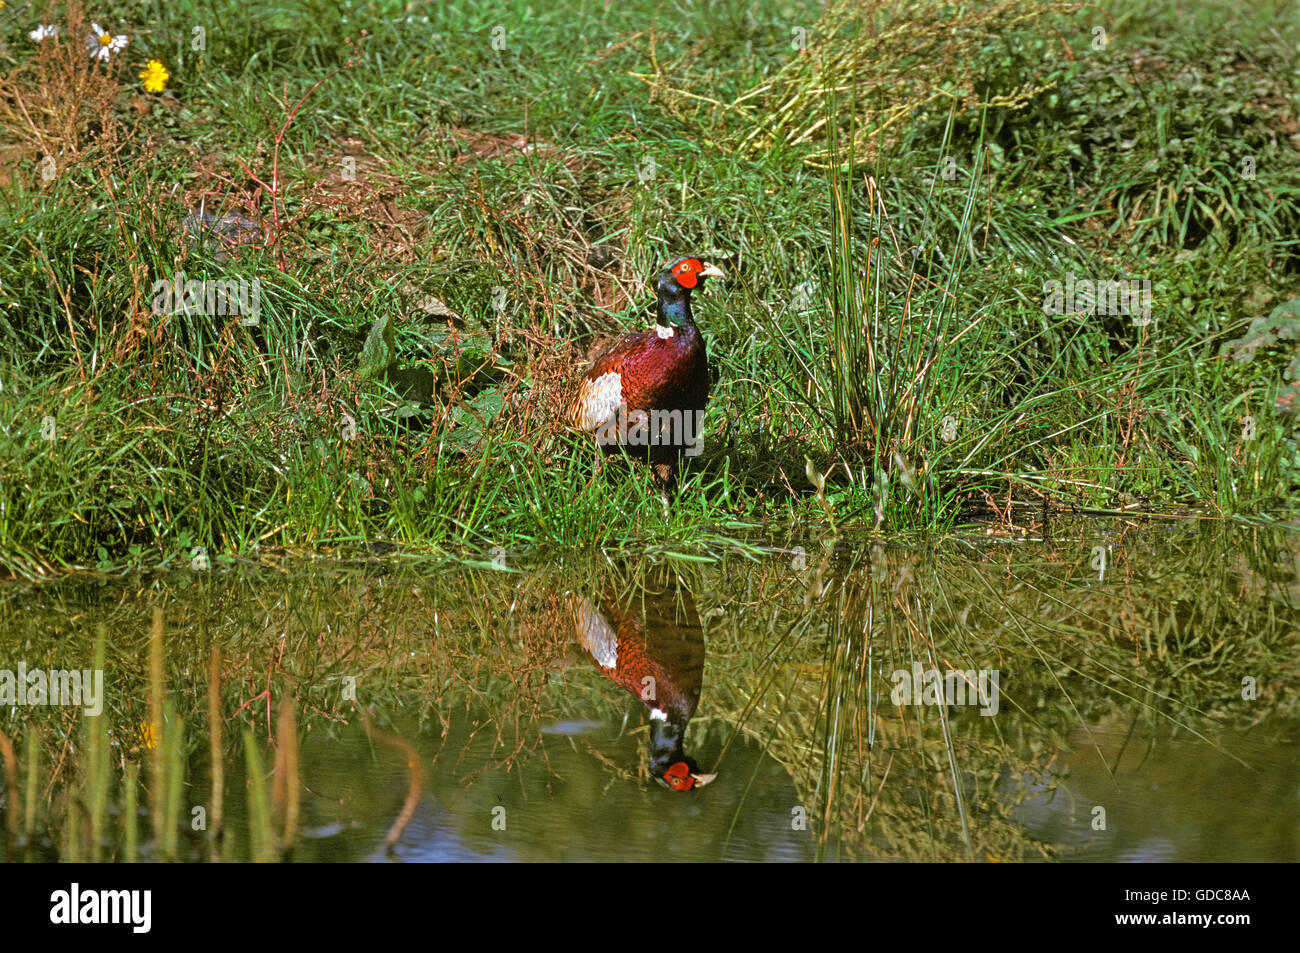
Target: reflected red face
(687, 272)
(679, 775)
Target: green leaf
(380, 350)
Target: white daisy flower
(44, 31)
(102, 45)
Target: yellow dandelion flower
(148, 736)
(155, 77)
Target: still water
(1101, 692)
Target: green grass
(504, 209)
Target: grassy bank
(451, 206)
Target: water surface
(1102, 691)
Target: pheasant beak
(712, 271)
(703, 779)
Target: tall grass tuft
(888, 315)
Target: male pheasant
(651, 643)
(647, 393)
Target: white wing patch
(598, 400)
(596, 635)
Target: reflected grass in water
(257, 683)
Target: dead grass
(58, 108)
(868, 69)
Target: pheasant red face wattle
(687, 272)
(679, 777)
